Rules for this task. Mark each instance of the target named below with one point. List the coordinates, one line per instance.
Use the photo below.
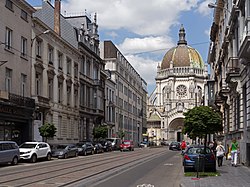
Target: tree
(100, 132)
(48, 130)
(121, 134)
(200, 121)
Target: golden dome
(182, 55)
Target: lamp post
(45, 32)
(212, 5)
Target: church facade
(180, 84)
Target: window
(68, 66)
(68, 94)
(50, 88)
(38, 48)
(60, 60)
(38, 84)
(50, 55)
(9, 4)
(76, 70)
(8, 39)
(23, 84)
(59, 126)
(8, 77)
(24, 15)
(76, 97)
(95, 72)
(60, 90)
(23, 47)
(88, 68)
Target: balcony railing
(21, 101)
(233, 65)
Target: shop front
(16, 117)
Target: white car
(34, 150)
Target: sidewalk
(229, 177)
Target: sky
(144, 30)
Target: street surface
(156, 166)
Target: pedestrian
(214, 146)
(183, 146)
(234, 152)
(220, 152)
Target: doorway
(179, 137)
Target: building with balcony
(229, 61)
(129, 96)
(67, 73)
(16, 106)
(180, 85)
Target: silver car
(9, 152)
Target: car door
(2, 153)
(42, 149)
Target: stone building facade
(180, 84)
(229, 61)
(16, 105)
(67, 74)
(130, 89)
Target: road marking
(145, 185)
(168, 164)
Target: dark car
(9, 152)
(107, 145)
(175, 146)
(85, 148)
(98, 148)
(127, 145)
(64, 150)
(206, 159)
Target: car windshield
(26, 145)
(61, 146)
(126, 143)
(198, 150)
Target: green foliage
(100, 132)
(48, 130)
(121, 134)
(200, 121)
(202, 174)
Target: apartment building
(130, 93)
(16, 106)
(229, 87)
(68, 74)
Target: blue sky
(144, 30)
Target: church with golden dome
(180, 85)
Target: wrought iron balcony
(21, 101)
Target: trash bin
(199, 163)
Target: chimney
(57, 13)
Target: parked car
(98, 148)
(34, 150)
(64, 150)
(107, 145)
(175, 146)
(115, 143)
(190, 157)
(127, 145)
(143, 144)
(85, 148)
(9, 152)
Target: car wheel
(84, 153)
(14, 161)
(49, 157)
(33, 158)
(66, 155)
(186, 169)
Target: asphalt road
(163, 171)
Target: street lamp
(212, 5)
(45, 32)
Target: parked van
(9, 152)
(116, 142)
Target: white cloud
(151, 17)
(203, 8)
(147, 44)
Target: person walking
(220, 152)
(183, 146)
(234, 152)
